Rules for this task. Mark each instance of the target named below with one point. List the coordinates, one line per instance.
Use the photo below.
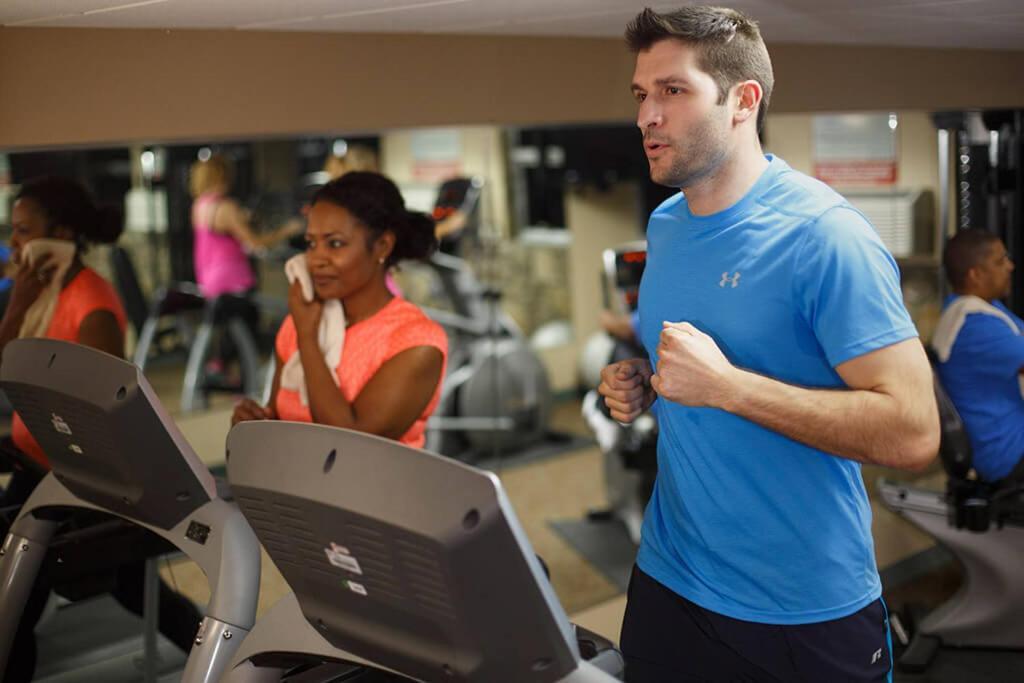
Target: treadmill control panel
(197, 532)
(623, 269)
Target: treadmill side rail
(215, 644)
(230, 559)
(20, 559)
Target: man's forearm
(866, 426)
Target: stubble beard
(694, 158)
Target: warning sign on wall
(856, 149)
(436, 154)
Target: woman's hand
(305, 314)
(30, 281)
(248, 409)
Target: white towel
(330, 335)
(953, 318)
(40, 313)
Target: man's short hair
(729, 44)
(964, 251)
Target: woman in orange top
(88, 310)
(388, 379)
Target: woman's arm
(100, 330)
(230, 218)
(390, 402)
(451, 224)
(248, 409)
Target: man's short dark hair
(729, 44)
(964, 251)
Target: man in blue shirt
(781, 357)
(981, 353)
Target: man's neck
(729, 183)
(974, 292)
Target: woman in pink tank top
(388, 379)
(222, 232)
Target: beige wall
(63, 86)
(89, 86)
(596, 221)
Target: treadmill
(404, 565)
(114, 449)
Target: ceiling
(994, 24)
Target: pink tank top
(220, 262)
(369, 344)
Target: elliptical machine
(179, 321)
(495, 396)
(630, 451)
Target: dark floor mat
(605, 544)
(553, 444)
(926, 579)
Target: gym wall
(94, 86)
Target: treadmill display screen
(629, 268)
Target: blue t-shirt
(791, 281)
(981, 377)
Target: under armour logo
(734, 279)
(878, 655)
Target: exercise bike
(978, 633)
(630, 451)
(496, 395)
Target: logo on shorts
(734, 279)
(878, 655)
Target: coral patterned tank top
(370, 343)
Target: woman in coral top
(53, 222)
(387, 380)
(55, 295)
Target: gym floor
(559, 487)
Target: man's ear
(747, 97)
(973, 275)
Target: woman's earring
(381, 260)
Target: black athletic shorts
(668, 639)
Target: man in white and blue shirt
(980, 351)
